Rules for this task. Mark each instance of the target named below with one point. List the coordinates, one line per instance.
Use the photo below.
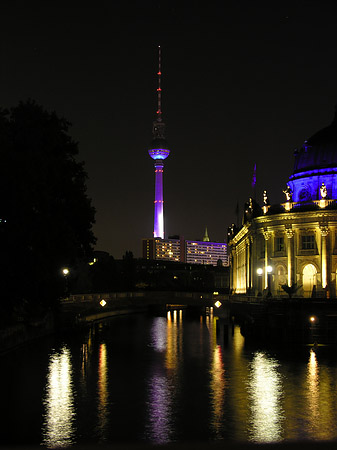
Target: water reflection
(313, 390)
(86, 351)
(196, 387)
(103, 393)
(158, 334)
(167, 340)
(217, 386)
(174, 339)
(160, 426)
(58, 427)
(265, 391)
(320, 395)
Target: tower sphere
(159, 150)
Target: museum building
(292, 244)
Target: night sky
(243, 82)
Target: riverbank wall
(16, 335)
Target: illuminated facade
(164, 249)
(205, 252)
(294, 243)
(159, 152)
(191, 252)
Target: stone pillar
(248, 282)
(234, 268)
(266, 235)
(324, 233)
(290, 234)
(251, 263)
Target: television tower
(158, 151)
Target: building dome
(318, 152)
(316, 165)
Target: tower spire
(206, 238)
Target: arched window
(309, 279)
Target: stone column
(247, 266)
(324, 232)
(290, 235)
(251, 262)
(234, 268)
(266, 235)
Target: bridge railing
(146, 295)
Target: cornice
(240, 234)
(291, 217)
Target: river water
(165, 379)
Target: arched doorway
(309, 279)
(280, 278)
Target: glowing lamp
(102, 302)
(65, 271)
(217, 304)
(269, 269)
(312, 319)
(259, 271)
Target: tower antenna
(159, 85)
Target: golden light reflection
(174, 341)
(103, 392)
(217, 387)
(266, 392)
(58, 428)
(313, 391)
(320, 398)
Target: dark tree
(46, 216)
(290, 290)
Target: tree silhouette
(46, 216)
(290, 290)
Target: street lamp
(65, 273)
(268, 271)
(259, 272)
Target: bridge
(281, 320)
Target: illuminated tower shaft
(158, 229)
(159, 151)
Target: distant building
(293, 244)
(201, 252)
(189, 251)
(163, 249)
